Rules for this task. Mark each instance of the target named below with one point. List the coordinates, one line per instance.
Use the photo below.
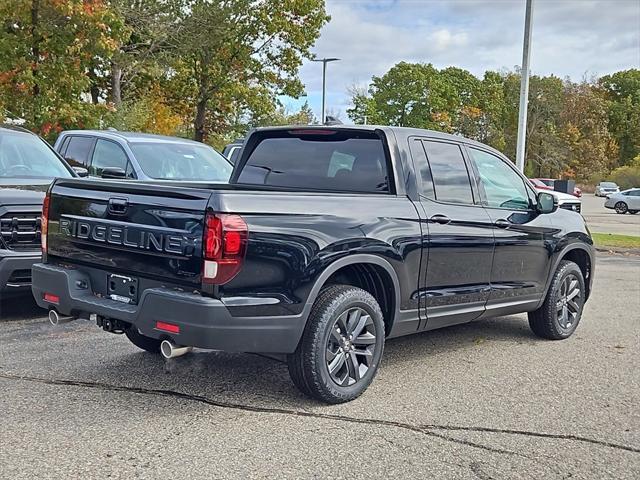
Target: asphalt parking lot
(482, 400)
(604, 220)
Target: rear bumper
(204, 322)
(15, 272)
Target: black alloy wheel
(351, 346)
(569, 302)
(621, 208)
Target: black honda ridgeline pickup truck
(325, 242)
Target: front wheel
(341, 347)
(621, 208)
(633, 212)
(561, 311)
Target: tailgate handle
(118, 206)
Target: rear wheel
(341, 347)
(149, 344)
(621, 208)
(561, 311)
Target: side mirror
(81, 171)
(113, 172)
(547, 202)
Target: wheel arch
(582, 256)
(369, 272)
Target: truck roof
(130, 136)
(400, 132)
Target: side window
(78, 151)
(63, 147)
(451, 182)
(107, 154)
(635, 193)
(503, 187)
(422, 167)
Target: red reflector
(167, 327)
(51, 298)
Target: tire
(633, 212)
(621, 208)
(558, 317)
(148, 344)
(323, 344)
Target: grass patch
(605, 240)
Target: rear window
(329, 161)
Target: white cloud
(570, 38)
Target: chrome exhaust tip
(168, 349)
(56, 319)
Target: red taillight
(51, 298)
(168, 327)
(224, 246)
(44, 223)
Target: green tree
(46, 50)
(235, 56)
(590, 148)
(623, 89)
(151, 30)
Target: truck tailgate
(127, 227)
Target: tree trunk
(199, 122)
(35, 52)
(94, 89)
(116, 85)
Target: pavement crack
(428, 430)
(527, 433)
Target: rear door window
(78, 151)
(451, 182)
(329, 160)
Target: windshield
(608, 185)
(23, 155)
(181, 161)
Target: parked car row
(550, 184)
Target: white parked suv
(625, 201)
(565, 200)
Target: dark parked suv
(131, 155)
(326, 241)
(27, 167)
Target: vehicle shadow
(240, 379)
(20, 307)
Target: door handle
(502, 223)
(441, 219)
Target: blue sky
(574, 38)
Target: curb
(619, 251)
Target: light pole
(524, 89)
(324, 81)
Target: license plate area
(122, 288)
